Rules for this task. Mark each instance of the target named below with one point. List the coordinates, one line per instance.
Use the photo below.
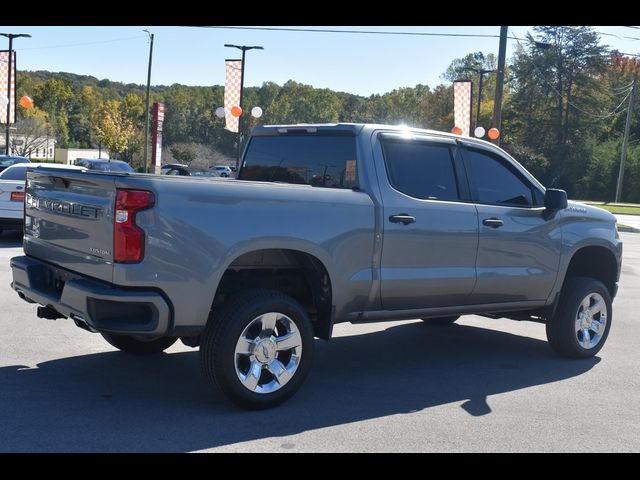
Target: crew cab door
(430, 228)
(519, 250)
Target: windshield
(7, 161)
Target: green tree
(557, 98)
(55, 97)
(113, 128)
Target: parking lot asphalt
(478, 386)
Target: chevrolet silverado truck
(325, 224)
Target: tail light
(128, 238)
(17, 196)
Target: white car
(223, 170)
(12, 183)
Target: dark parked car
(182, 171)
(8, 160)
(103, 165)
(168, 166)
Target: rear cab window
(321, 160)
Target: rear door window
(317, 160)
(421, 169)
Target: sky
(362, 64)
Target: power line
(626, 87)
(362, 32)
(392, 33)
(85, 43)
(608, 34)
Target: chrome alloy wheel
(268, 352)
(591, 320)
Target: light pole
(146, 110)
(244, 48)
(10, 36)
(481, 72)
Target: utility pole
(625, 140)
(497, 107)
(146, 110)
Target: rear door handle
(493, 222)
(404, 218)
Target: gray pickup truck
(325, 224)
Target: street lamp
(10, 36)
(244, 48)
(481, 72)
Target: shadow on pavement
(114, 402)
(10, 238)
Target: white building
(69, 155)
(35, 148)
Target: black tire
(441, 321)
(562, 335)
(132, 345)
(224, 329)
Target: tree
(32, 132)
(55, 97)
(113, 127)
(558, 94)
(184, 152)
(464, 68)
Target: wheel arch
(594, 262)
(296, 272)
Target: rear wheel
(582, 321)
(257, 349)
(138, 345)
(441, 321)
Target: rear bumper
(103, 307)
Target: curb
(625, 228)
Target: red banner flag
(462, 106)
(4, 77)
(232, 92)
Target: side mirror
(554, 200)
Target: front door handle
(493, 222)
(403, 218)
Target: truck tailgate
(69, 220)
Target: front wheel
(582, 320)
(257, 349)
(138, 345)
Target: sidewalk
(630, 220)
